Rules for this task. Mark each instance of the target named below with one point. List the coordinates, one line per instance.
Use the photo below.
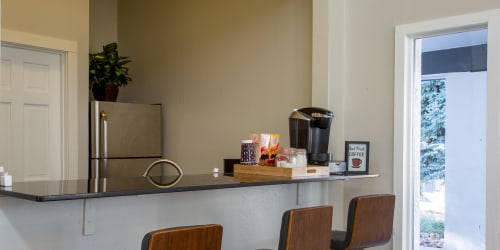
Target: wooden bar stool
(306, 228)
(201, 237)
(369, 223)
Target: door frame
(69, 94)
(403, 182)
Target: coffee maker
(310, 129)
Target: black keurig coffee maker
(310, 129)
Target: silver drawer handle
(163, 161)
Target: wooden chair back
(370, 221)
(306, 228)
(200, 237)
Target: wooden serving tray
(286, 172)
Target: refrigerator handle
(104, 118)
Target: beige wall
(68, 20)
(103, 23)
(221, 69)
(55, 18)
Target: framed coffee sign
(357, 156)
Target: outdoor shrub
(432, 225)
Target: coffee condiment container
(291, 158)
(301, 155)
(283, 157)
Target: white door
(30, 113)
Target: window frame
(404, 101)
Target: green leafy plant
(107, 67)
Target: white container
(5, 180)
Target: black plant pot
(107, 93)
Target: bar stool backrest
(306, 228)
(370, 221)
(200, 237)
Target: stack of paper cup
(247, 153)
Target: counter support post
(88, 217)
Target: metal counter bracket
(88, 217)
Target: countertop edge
(137, 192)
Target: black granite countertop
(42, 191)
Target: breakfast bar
(115, 213)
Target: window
(406, 129)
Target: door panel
(36, 137)
(5, 132)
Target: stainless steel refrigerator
(125, 138)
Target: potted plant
(107, 72)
